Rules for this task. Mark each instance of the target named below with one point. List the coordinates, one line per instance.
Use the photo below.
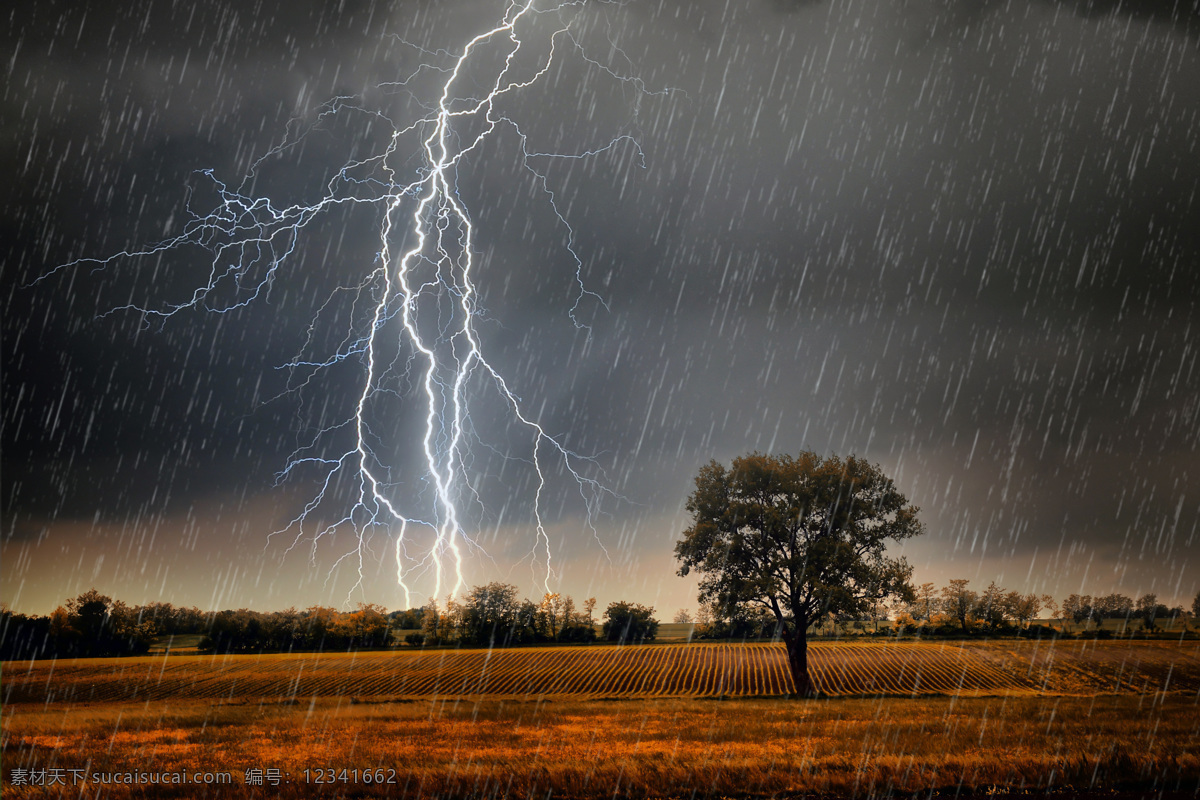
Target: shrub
(629, 622)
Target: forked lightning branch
(422, 296)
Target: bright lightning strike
(419, 305)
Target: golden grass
(605, 721)
(669, 747)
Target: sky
(957, 239)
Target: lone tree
(801, 537)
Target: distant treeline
(955, 608)
(952, 610)
(493, 615)
(93, 624)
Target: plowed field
(697, 670)
(1086, 667)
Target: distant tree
(903, 619)
(24, 637)
(1078, 608)
(286, 629)
(837, 624)
(430, 624)
(369, 626)
(315, 628)
(800, 537)
(89, 617)
(490, 614)
(743, 621)
(552, 616)
(169, 619)
(576, 625)
(450, 621)
(128, 633)
(1050, 606)
(163, 615)
(682, 617)
(1196, 606)
(629, 622)
(233, 632)
(1172, 614)
(1070, 607)
(1147, 608)
(570, 623)
(959, 602)
(746, 622)
(60, 624)
(527, 623)
(320, 628)
(1012, 607)
(992, 607)
(1022, 608)
(97, 625)
(926, 602)
(408, 619)
(878, 611)
(1114, 606)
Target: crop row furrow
(700, 669)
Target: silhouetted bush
(91, 624)
(629, 623)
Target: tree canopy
(800, 536)
(629, 623)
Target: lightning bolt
(422, 286)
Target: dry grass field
(590, 722)
(640, 748)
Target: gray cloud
(955, 238)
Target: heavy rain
(378, 308)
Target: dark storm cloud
(956, 238)
(969, 250)
(108, 115)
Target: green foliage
(629, 623)
(493, 616)
(23, 637)
(743, 621)
(407, 620)
(1150, 610)
(91, 624)
(169, 619)
(315, 628)
(1113, 606)
(800, 537)
(992, 608)
(490, 615)
(960, 603)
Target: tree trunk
(797, 650)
